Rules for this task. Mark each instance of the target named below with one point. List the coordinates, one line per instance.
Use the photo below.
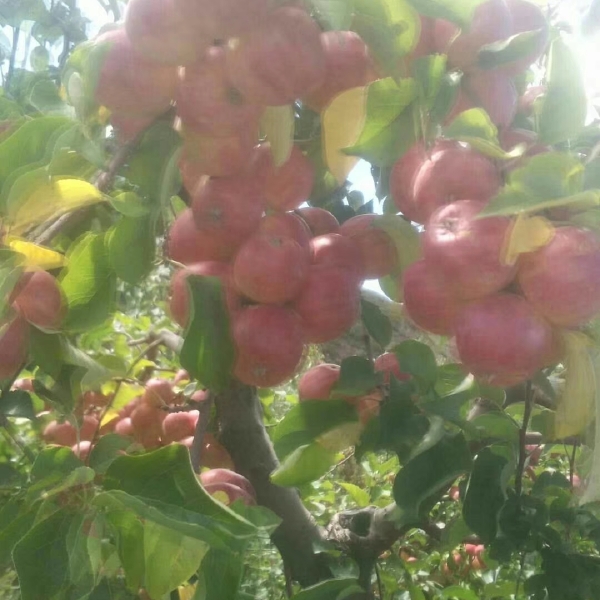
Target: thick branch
(243, 434)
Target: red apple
(402, 180)
(158, 392)
(38, 298)
(468, 250)
(228, 493)
(179, 425)
(63, 434)
(319, 220)
(429, 299)
(287, 224)
(388, 364)
(213, 476)
(337, 251)
(82, 449)
(14, 342)
(562, 279)
(317, 382)
(502, 339)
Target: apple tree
(181, 245)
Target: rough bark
(243, 433)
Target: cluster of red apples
(37, 301)
(157, 417)
(505, 317)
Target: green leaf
(485, 494)
(564, 106)
(390, 28)
(358, 494)
(154, 167)
(208, 353)
(17, 404)
(357, 377)
(106, 450)
(88, 283)
(171, 558)
(13, 527)
(429, 472)
(130, 204)
(41, 558)
(405, 237)
(377, 324)
(131, 248)
(277, 126)
(308, 420)
(45, 97)
(80, 540)
(166, 475)
(547, 180)
(230, 568)
(333, 14)
(129, 534)
(387, 145)
(328, 590)
(455, 592)
(58, 462)
(460, 13)
(475, 127)
(305, 464)
(497, 426)
(510, 50)
(386, 99)
(419, 360)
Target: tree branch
(198, 443)
(523, 439)
(13, 55)
(244, 436)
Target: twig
(201, 426)
(103, 183)
(13, 55)
(523, 439)
(572, 464)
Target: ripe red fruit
(317, 382)
(228, 493)
(24, 383)
(288, 185)
(125, 427)
(269, 343)
(528, 99)
(328, 304)
(223, 19)
(226, 212)
(92, 399)
(128, 83)
(502, 339)
(213, 476)
(448, 176)
(509, 138)
(491, 23)
(88, 427)
(429, 299)
(347, 65)
(319, 220)
(185, 244)
(468, 250)
(286, 224)
(388, 364)
(562, 279)
(37, 297)
(526, 16)
(337, 251)
(179, 425)
(280, 60)
(214, 454)
(425, 45)
(217, 156)
(402, 180)
(63, 434)
(270, 269)
(161, 33)
(147, 425)
(495, 92)
(82, 450)
(181, 377)
(379, 254)
(14, 341)
(179, 301)
(158, 392)
(207, 101)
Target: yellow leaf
(36, 257)
(277, 125)
(575, 407)
(341, 437)
(51, 200)
(186, 592)
(526, 235)
(342, 123)
(110, 415)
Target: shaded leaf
(277, 125)
(230, 568)
(357, 377)
(377, 324)
(303, 465)
(460, 13)
(131, 248)
(419, 360)
(17, 404)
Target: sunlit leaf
(526, 234)
(36, 256)
(277, 125)
(342, 123)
